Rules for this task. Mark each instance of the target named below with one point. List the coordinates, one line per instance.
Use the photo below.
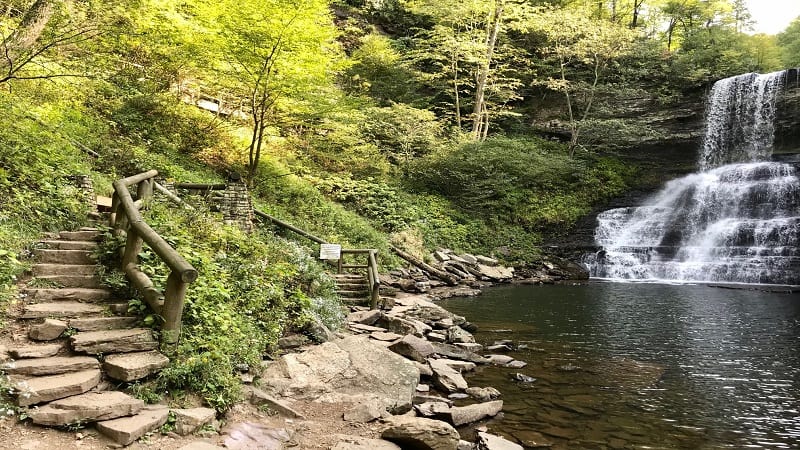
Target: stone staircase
(73, 342)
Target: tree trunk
(493, 29)
(23, 39)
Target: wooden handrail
(374, 281)
(289, 227)
(126, 220)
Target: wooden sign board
(330, 251)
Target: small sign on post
(330, 251)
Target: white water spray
(738, 220)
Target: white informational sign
(330, 251)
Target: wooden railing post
(144, 189)
(133, 246)
(173, 310)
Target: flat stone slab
(51, 366)
(103, 323)
(114, 341)
(187, 421)
(72, 280)
(125, 430)
(62, 309)
(35, 351)
(53, 387)
(80, 294)
(133, 366)
(45, 255)
(63, 269)
(88, 407)
(48, 330)
(69, 245)
(81, 235)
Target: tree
(581, 49)
(789, 42)
(467, 48)
(276, 54)
(27, 40)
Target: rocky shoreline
(402, 369)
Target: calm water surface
(622, 365)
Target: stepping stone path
(59, 377)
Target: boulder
(456, 352)
(488, 441)
(496, 273)
(368, 317)
(485, 260)
(354, 366)
(445, 377)
(460, 366)
(48, 330)
(516, 364)
(413, 348)
(385, 336)
(462, 415)
(483, 394)
(433, 409)
(457, 334)
(187, 421)
(366, 411)
(416, 433)
(293, 340)
(260, 398)
(499, 360)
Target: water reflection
(645, 365)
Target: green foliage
(251, 289)
(789, 42)
(527, 182)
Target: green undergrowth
(36, 192)
(251, 289)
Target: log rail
(126, 220)
(370, 254)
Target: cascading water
(737, 221)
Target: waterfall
(737, 220)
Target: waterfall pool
(642, 365)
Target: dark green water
(622, 365)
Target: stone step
(69, 245)
(36, 351)
(81, 235)
(114, 341)
(88, 407)
(126, 430)
(353, 294)
(80, 294)
(63, 269)
(44, 255)
(348, 276)
(53, 387)
(133, 366)
(50, 366)
(72, 280)
(62, 310)
(352, 285)
(103, 323)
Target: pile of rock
(403, 367)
